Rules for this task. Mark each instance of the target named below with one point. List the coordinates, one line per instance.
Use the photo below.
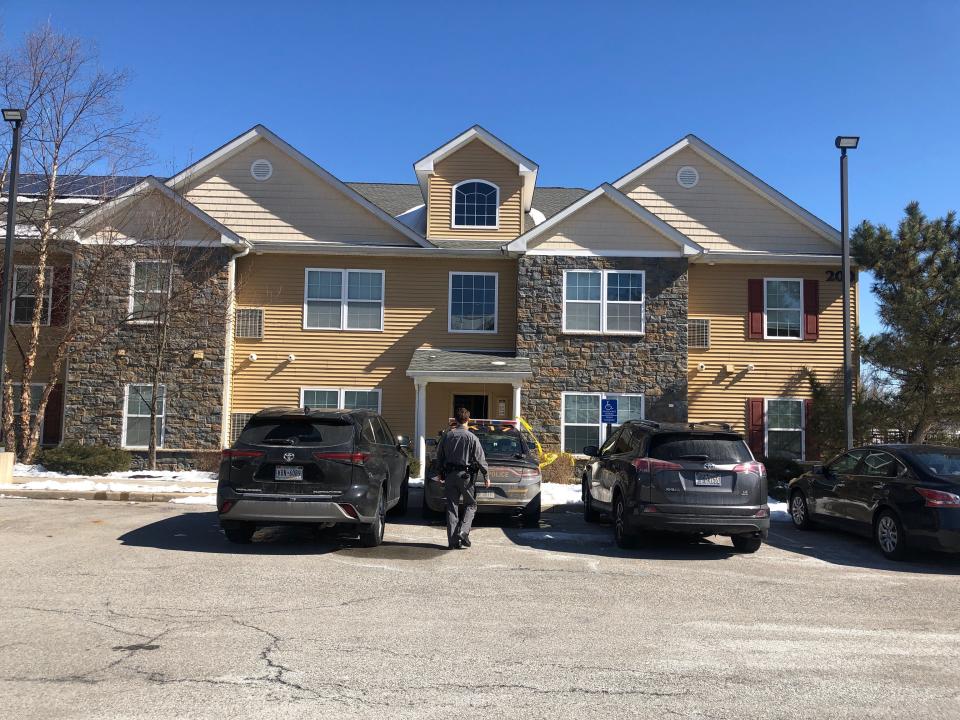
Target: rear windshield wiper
(692, 457)
(280, 441)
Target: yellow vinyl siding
(719, 293)
(415, 314)
(602, 225)
(293, 205)
(440, 402)
(154, 217)
(721, 213)
(475, 161)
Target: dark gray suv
(320, 467)
(697, 478)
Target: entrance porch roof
(490, 366)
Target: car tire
(530, 517)
(371, 535)
(746, 543)
(889, 535)
(800, 511)
(621, 533)
(239, 532)
(427, 512)
(403, 503)
(590, 513)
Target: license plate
(708, 479)
(486, 495)
(288, 472)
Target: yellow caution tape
(545, 458)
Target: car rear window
(721, 449)
(943, 462)
(296, 431)
(500, 442)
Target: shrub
(561, 470)
(76, 459)
(780, 471)
(414, 467)
(206, 461)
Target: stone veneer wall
(654, 364)
(97, 375)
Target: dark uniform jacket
(459, 448)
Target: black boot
(454, 543)
(465, 540)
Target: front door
(476, 405)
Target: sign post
(608, 414)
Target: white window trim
(453, 206)
(48, 290)
(344, 289)
(133, 282)
(766, 335)
(496, 302)
(162, 416)
(600, 397)
(803, 425)
(341, 392)
(602, 302)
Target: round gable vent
(687, 176)
(261, 169)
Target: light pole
(15, 116)
(844, 143)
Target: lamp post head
(847, 142)
(14, 115)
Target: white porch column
(516, 400)
(421, 424)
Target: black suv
(322, 467)
(695, 478)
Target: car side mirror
(592, 451)
(431, 442)
(819, 470)
(403, 442)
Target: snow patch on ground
(196, 500)
(779, 511)
(94, 486)
(181, 476)
(559, 494)
(416, 482)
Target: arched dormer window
(475, 204)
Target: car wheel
(800, 511)
(530, 517)
(590, 513)
(427, 512)
(889, 535)
(238, 532)
(621, 533)
(372, 535)
(404, 502)
(746, 543)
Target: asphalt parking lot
(112, 610)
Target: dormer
(476, 187)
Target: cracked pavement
(111, 610)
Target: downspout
(226, 397)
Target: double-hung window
(473, 303)
(343, 300)
(475, 204)
(149, 286)
(785, 428)
(603, 301)
(136, 416)
(783, 308)
(580, 417)
(24, 301)
(336, 398)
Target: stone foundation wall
(98, 373)
(653, 364)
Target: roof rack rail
(649, 423)
(725, 426)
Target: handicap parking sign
(608, 411)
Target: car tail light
(650, 509)
(349, 510)
(241, 454)
(762, 512)
(225, 508)
(939, 498)
(651, 465)
(354, 458)
(751, 467)
(530, 474)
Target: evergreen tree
(917, 281)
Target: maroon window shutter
(755, 426)
(60, 311)
(53, 417)
(755, 309)
(810, 451)
(811, 309)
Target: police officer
(458, 451)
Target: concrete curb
(96, 495)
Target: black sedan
(904, 496)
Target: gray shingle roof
(429, 360)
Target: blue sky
(588, 90)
